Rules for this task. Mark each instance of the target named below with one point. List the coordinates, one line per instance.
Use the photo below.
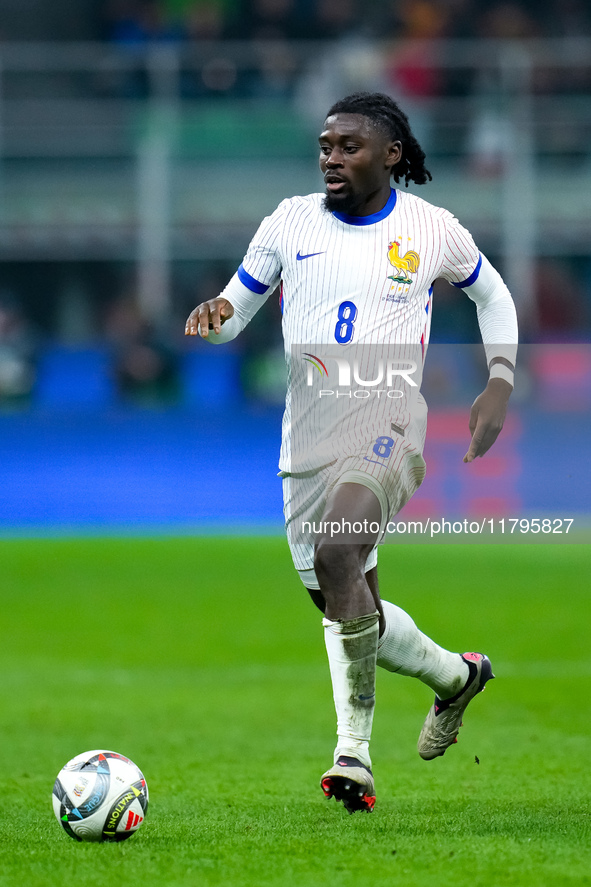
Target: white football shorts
(390, 465)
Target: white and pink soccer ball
(100, 796)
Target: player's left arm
(497, 320)
(488, 412)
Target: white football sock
(404, 649)
(352, 646)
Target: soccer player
(356, 267)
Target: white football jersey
(384, 265)
(348, 283)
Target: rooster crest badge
(404, 265)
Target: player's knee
(317, 598)
(335, 563)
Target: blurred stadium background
(141, 143)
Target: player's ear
(394, 153)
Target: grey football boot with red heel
(351, 782)
(444, 720)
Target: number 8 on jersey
(343, 331)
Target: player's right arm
(208, 316)
(220, 320)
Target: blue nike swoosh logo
(309, 255)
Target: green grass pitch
(203, 661)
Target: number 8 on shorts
(383, 447)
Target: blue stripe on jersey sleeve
(251, 282)
(473, 277)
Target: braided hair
(386, 116)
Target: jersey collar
(374, 217)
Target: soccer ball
(100, 796)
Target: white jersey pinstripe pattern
(383, 265)
(324, 260)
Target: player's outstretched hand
(487, 417)
(208, 316)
